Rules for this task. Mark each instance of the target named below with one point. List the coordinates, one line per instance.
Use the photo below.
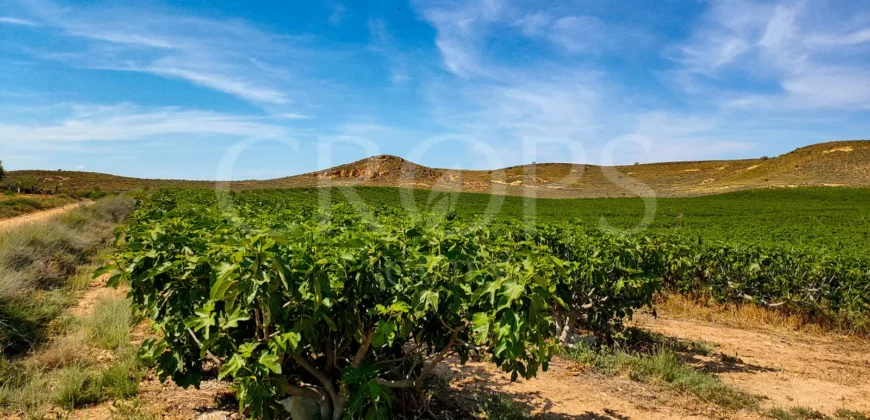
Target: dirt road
(40, 215)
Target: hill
(840, 163)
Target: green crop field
(361, 292)
(823, 220)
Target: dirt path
(40, 215)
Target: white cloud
(128, 122)
(17, 21)
(679, 136)
(578, 33)
(459, 30)
(294, 116)
(780, 28)
(792, 47)
(534, 24)
(225, 84)
(826, 40)
(836, 88)
(229, 56)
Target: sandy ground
(568, 392)
(40, 215)
(824, 372)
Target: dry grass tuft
(64, 351)
(754, 316)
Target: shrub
(344, 310)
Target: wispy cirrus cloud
(229, 56)
(227, 84)
(742, 63)
(506, 103)
(123, 122)
(807, 57)
(17, 21)
(720, 78)
(856, 37)
(294, 116)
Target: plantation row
(345, 309)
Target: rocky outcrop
(383, 167)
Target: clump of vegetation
(76, 387)
(662, 365)
(500, 407)
(134, 410)
(109, 327)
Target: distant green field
(831, 220)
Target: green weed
(500, 407)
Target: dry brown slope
(844, 163)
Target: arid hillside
(840, 163)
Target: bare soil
(823, 372)
(566, 391)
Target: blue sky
(207, 89)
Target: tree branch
(363, 349)
(337, 399)
(208, 353)
(330, 355)
(427, 370)
(259, 324)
